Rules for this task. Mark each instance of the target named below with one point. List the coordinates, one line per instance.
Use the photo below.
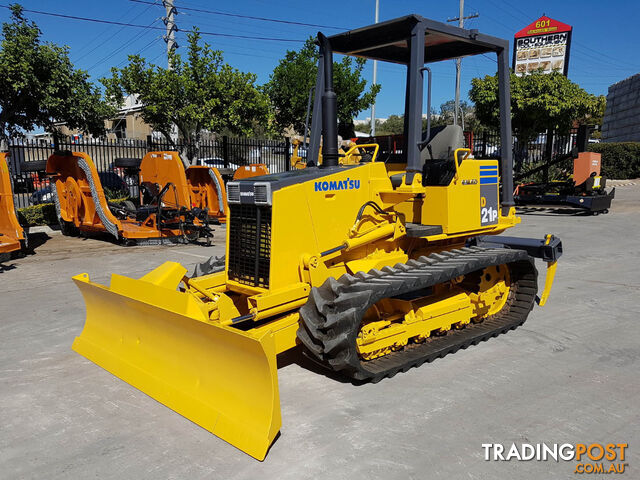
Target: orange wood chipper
(207, 188)
(164, 213)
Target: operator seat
(438, 155)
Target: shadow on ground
(36, 240)
(296, 356)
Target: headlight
(47, 197)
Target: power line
(490, 58)
(249, 17)
(237, 26)
(136, 37)
(157, 57)
(111, 37)
(155, 39)
(99, 36)
(111, 22)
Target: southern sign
(542, 46)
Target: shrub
(619, 160)
(42, 214)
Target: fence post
(582, 138)
(149, 143)
(548, 153)
(225, 151)
(287, 155)
(484, 144)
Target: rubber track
(332, 315)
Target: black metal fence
(486, 144)
(33, 187)
(545, 146)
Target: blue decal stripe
(484, 181)
(489, 172)
(487, 167)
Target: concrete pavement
(569, 375)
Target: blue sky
(604, 48)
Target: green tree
(196, 94)
(295, 75)
(393, 125)
(538, 102)
(447, 112)
(40, 85)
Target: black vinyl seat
(438, 173)
(438, 155)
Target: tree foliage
(447, 112)
(199, 93)
(40, 86)
(391, 126)
(538, 102)
(395, 123)
(295, 75)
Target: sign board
(542, 46)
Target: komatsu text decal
(347, 184)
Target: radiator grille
(250, 244)
(233, 193)
(260, 194)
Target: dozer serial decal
(488, 195)
(347, 184)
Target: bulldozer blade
(161, 341)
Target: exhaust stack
(329, 108)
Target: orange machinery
(207, 190)
(251, 170)
(585, 166)
(12, 237)
(165, 213)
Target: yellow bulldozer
(370, 268)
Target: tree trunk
(185, 153)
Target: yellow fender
(161, 341)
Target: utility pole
(375, 74)
(460, 19)
(169, 21)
